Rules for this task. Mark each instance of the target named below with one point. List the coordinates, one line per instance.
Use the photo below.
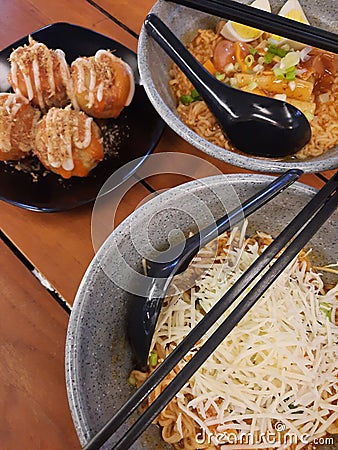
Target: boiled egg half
(291, 10)
(235, 31)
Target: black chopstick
(248, 207)
(266, 21)
(325, 204)
(215, 313)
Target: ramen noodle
(306, 78)
(273, 382)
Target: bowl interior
(154, 67)
(98, 356)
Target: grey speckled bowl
(98, 357)
(154, 70)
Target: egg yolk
(295, 14)
(245, 31)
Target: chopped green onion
(233, 82)
(290, 74)
(268, 57)
(277, 51)
(253, 50)
(220, 76)
(252, 85)
(286, 47)
(326, 309)
(132, 380)
(186, 99)
(291, 59)
(249, 60)
(272, 49)
(309, 115)
(195, 95)
(279, 73)
(290, 69)
(293, 406)
(282, 52)
(229, 68)
(153, 359)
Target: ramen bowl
(154, 66)
(98, 356)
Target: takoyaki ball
(68, 142)
(18, 121)
(41, 75)
(103, 84)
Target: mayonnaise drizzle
(66, 78)
(96, 86)
(36, 76)
(81, 63)
(99, 93)
(29, 60)
(92, 84)
(63, 130)
(29, 87)
(14, 69)
(84, 143)
(59, 150)
(132, 84)
(101, 53)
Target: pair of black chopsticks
(299, 232)
(266, 21)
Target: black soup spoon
(144, 310)
(254, 124)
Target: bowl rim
(74, 389)
(315, 164)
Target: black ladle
(144, 311)
(254, 124)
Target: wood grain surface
(21, 17)
(130, 17)
(174, 158)
(59, 244)
(33, 400)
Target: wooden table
(58, 247)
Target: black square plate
(139, 128)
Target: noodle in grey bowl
(99, 360)
(175, 100)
